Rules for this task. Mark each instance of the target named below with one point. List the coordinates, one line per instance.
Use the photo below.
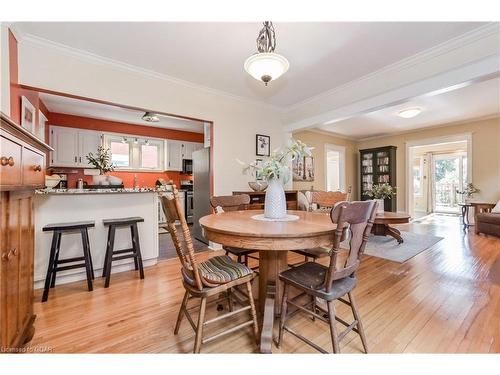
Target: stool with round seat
(133, 252)
(55, 249)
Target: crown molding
(327, 133)
(411, 61)
(437, 126)
(26, 38)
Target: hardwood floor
(444, 300)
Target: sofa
(487, 222)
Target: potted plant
(276, 171)
(379, 193)
(468, 192)
(101, 161)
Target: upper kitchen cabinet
(71, 146)
(178, 151)
(174, 155)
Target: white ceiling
(322, 55)
(77, 107)
(474, 101)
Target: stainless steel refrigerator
(201, 190)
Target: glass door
(450, 174)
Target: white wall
(235, 121)
(4, 70)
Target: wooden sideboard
(257, 199)
(22, 170)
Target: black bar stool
(54, 261)
(134, 252)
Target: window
(149, 156)
(335, 167)
(418, 176)
(120, 153)
(134, 153)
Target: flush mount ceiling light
(409, 112)
(266, 65)
(150, 117)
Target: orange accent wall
(145, 179)
(16, 92)
(70, 121)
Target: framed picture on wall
(303, 169)
(258, 164)
(27, 115)
(42, 120)
(262, 145)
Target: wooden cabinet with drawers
(22, 170)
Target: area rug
(388, 248)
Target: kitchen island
(69, 205)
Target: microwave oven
(187, 166)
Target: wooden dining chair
(201, 280)
(234, 203)
(333, 282)
(324, 201)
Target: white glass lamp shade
(266, 66)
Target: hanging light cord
(266, 41)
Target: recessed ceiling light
(409, 112)
(150, 117)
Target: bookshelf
(377, 166)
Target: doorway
(334, 168)
(436, 170)
(449, 176)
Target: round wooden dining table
(272, 239)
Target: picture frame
(42, 120)
(303, 169)
(262, 145)
(28, 115)
(258, 164)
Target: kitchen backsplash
(145, 179)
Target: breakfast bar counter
(72, 205)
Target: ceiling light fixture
(409, 112)
(266, 65)
(150, 117)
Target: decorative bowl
(52, 181)
(258, 185)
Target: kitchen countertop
(93, 191)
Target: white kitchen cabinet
(71, 146)
(189, 148)
(174, 155)
(89, 141)
(64, 141)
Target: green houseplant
(380, 192)
(101, 160)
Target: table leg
(464, 213)
(271, 263)
(395, 233)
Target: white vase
(380, 207)
(99, 179)
(275, 203)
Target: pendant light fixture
(266, 65)
(150, 117)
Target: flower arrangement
(101, 160)
(276, 166)
(381, 191)
(469, 190)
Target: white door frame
(409, 145)
(341, 150)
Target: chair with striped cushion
(219, 275)
(234, 203)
